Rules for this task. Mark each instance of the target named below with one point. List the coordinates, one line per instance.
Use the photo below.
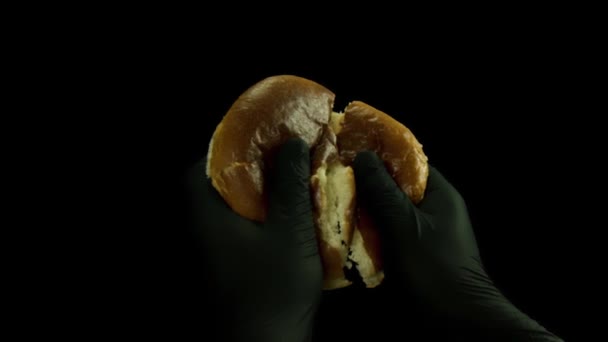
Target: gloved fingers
(290, 208)
(436, 181)
(440, 195)
(391, 209)
(202, 196)
(209, 215)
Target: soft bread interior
(334, 224)
(341, 194)
(337, 182)
(336, 121)
(360, 257)
(335, 204)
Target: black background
(504, 100)
(504, 126)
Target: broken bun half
(243, 146)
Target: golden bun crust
(260, 120)
(367, 128)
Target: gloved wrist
(490, 315)
(494, 318)
(289, 330)
(517, 326)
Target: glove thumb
(390, 208)
(289, 207)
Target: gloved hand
(266, 278)
(431, 249)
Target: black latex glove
(266, 278)
(431, 249)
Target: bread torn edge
(359, 259)
(336, 213)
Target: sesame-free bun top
(366, 128)
(260, 120)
